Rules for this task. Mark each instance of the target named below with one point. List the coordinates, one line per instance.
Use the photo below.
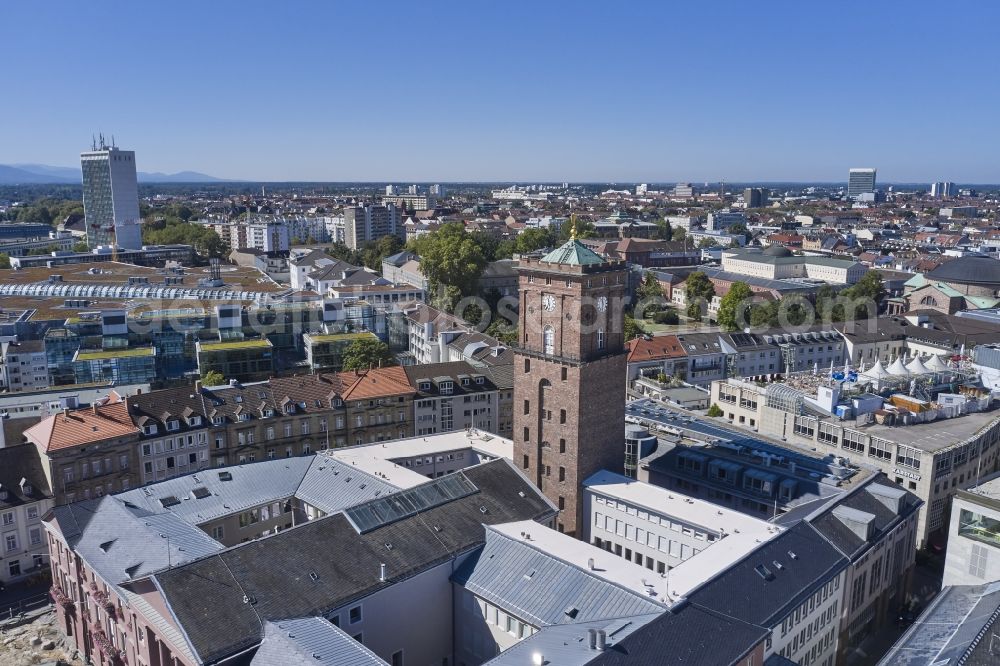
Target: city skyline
(499, 94)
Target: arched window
(929, 300)
(549, 340)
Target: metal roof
(544, 590)
(308, 640)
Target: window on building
(549, 340)
(600, 338)
(355, 615)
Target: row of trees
(859, 301)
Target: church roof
(573, 253)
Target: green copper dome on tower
(573, 252)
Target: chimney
(592, 638)
(602, 640)
(197, 386)
(138, 391)
(381, 572)
(590, 564)
(93, 406)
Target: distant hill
(10, 175)
(30, 174)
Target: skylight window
(169, 501)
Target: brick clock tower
(569, 373)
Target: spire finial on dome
(572, 226)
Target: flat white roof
(607, 566)
(379, 459)
(743, 533)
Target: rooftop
(742, 533)
(99, 355)
(936, 435)
(381, 459)
(235, 344)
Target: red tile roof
(82, 426)
(656, 348)
(374, 383)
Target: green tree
(764, 315)
(172, 231)
(732, 308)
(584, 229)
(707, 242)
(530, 240)
(374, 252)
(678, 234)
(698, 290)
(452, 262)
(502, 331)
(663, 230)
(213, 378)
(714, 411)
(4, 260)
(367, 352)
(81, 246)
(632, 329)
(650, 287)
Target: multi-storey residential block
(369, 223)
(136, 599)
(89, 452)
(174, 432)
(453, 396)
(24, 499)
(23, 366)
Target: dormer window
(425, 386)
(446, 387)
(149, 429)
(218, 420)
(243, 417)
(465, 381)
(480, 380)
(337, 402)
(268, 412)
(194, 420)
(290, 408)
(173, 424)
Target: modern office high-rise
(860, 181)
(111, 197)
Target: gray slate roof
(124, 542)
(310, 640)
(741, 592)
(539, 588)
(207, 596)
(323, 482)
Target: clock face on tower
(549, 302)
(602, 303)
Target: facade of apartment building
(88, 452)
(23, 366)
(24, 499)
(453, 396)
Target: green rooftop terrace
(103, 354)
(234, 344)
(339, 337)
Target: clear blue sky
(528, 91)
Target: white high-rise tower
(111, 196)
